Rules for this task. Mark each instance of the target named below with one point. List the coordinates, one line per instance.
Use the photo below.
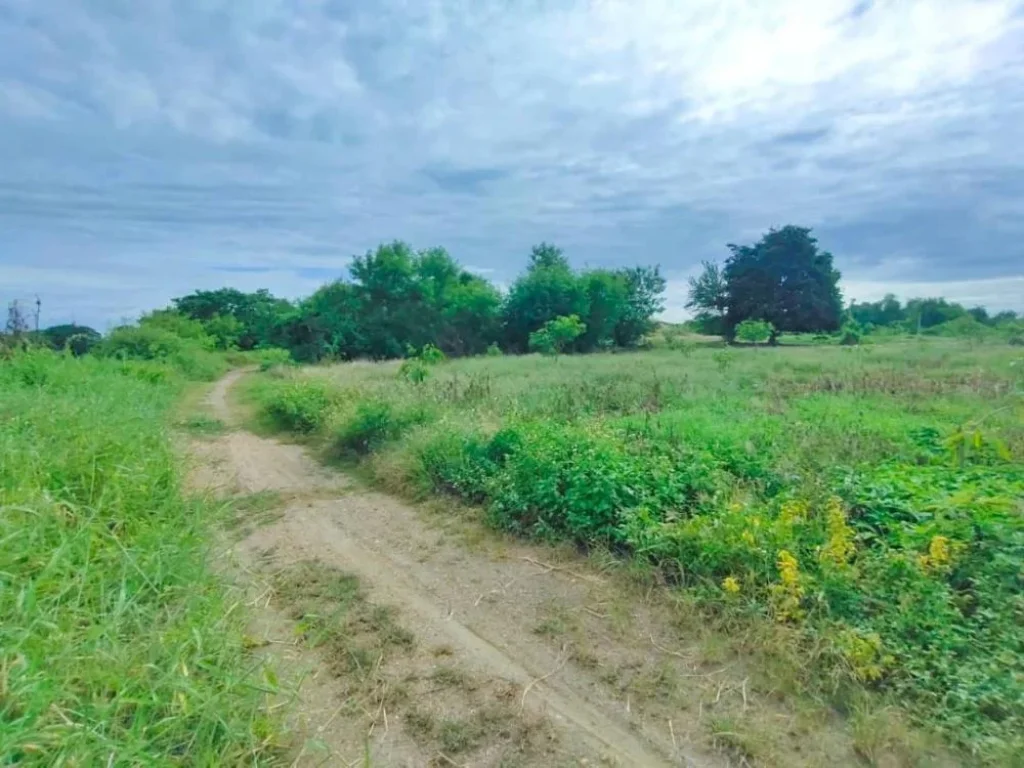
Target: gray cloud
(150, 148)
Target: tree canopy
(397, 298)
(784, 279)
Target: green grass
(118, 645)
(869, 498)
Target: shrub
(273, 357)
(298, 404)
(555, 336)
(754, 331)
(374, 423)
(850, 334)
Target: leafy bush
(374, 423)
(556, 335)
(850, 334)
(299, 404)
(154, 343)
(754, 331)
(273, 357)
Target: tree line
(396, 300)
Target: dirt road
(522, 632)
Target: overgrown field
(870, 499)
(117, 645)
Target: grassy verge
(868, 501)
(118, 646)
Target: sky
(148, 149)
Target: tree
(226, 331)
(886, 312)
(548, 256)
(927, 313)
(608, 299)
(556, 335)
(980, 314)
(549, 289)
(79, 339)
(708, 290)
(259, 314)
(327, 324)
(784, 279)
(645, 288)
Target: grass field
(868, 500)
(118, 646)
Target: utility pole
(39, 309)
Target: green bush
(556, 335)
(154, 343)
(754, 331)
(374, 423)
(273, 358)
(298, 404)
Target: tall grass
(118, 646)
(871, 499)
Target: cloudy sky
(150, 148)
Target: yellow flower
(789, 592)
(941, 552)
(748, 538)
(840, 547)
(731, 585)
(793, 511)
(863, 652)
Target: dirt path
(550, 666)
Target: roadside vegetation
(118, 645)
(865, 500)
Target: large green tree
(709, 296)
(785, 279)
(885, 312)
(547, 290)
(258, 314)
(79, 339)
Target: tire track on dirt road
(404, 564)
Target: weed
(118, 644)
(201, 425)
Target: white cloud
(203, 133)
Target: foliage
(556, 335)
(850, 334)
(754, 331)
(870, 502)
(256, 315)
(416, 367)
(784, 279)
(118, 642)
(709, 295)
(78, 339)
(299, 404)
(156, 342)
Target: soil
(507, 653)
